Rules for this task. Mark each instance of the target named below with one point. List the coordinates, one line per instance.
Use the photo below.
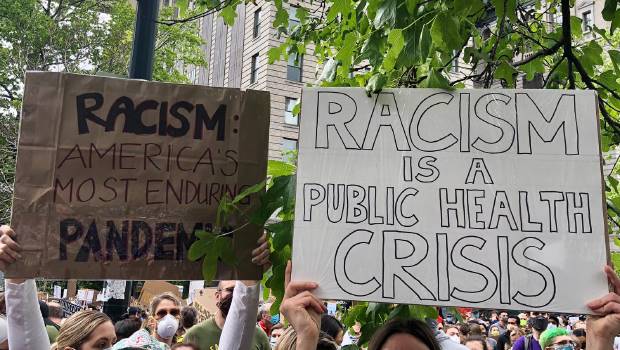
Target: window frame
(254, 69)
(292, 69)
(293, 101)
(256, 24)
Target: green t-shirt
(207, 334)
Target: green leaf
(345, 54)
(507, 72)
(376, 83)
(531, 68)
(274, 54)
(302, 14)
(615, 60)
(297, 108)
(229, 13)
(201, 234)
(224, 249)
(412, 6)
(248, 191)
(436, 79)
(386, 14)
(281, 19)
(198, 249)
(576, 30)
(279, 168)
(372, 50)
(342, 7)
(183, 5)
(610, 9)
(423, 312)
(505, 8)
(283, 234)
(209, 264)
(397, 42)
(445, 32)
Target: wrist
(599, 343)
(307, 339)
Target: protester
(580, 334)
(55, 314)
(189, 317)
(352, 335)
(538, 323)
(275, 336)
(125, 328)
(265, 320)
(85, 330)
(553, 337)
(240, 300)
(50, 327)
(476, 342)
(404, 334)
(445, 342)
(453, 332)
(332, 327)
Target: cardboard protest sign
(481, 198)
(69, 308)
(114, 176)
(152, 288)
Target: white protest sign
(64, 293)
(57, 292)
(481, 198)
(89, 296)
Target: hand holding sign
(302, 309)
(606, 325)
(9, 249)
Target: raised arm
(26, 329)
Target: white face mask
(273, 341)
(167, 326)
(455, 338)
(551, 326)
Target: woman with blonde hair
(86, 330)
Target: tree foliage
(79, 36)
(415, 43)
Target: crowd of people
(242, 323)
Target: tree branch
(566, 37)
(544, 52)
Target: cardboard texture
(114, 175)
(150, 289)
(476, 198)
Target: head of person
(494, 331)
(476, 342)
(86, 330)
(223, 296)
(264, 315)
(556, 339)
(184, 346)
(580, 334)
(275, 336)
(189, 317)
(503, 317)
(332, 327)
(134, 313)
(475, 328)
(55, 312)
(538, 323)
(513, 323)
(454, 333)
(464, 330)
(553, 322)
(166, 310)
(515, 334)
(125, 328)
(399, 334)
(288, 339)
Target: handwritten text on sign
(476, 197)
(115, 176)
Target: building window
(586, 19)
(293, 21)
(254, 69)
(289, 149)
(551, 18)
(256, 23)
(293, 68)
(289, 117)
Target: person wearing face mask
(207, 333)
(266, 321)
(454, 333)
(165, 311)
(275, 336)
(538, 323)
(445, 341)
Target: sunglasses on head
(162, 313)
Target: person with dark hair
(476, 342)
(464, 330)
(55, 313)
(445, 341)
(538, 323)
(50, 327)
(125, 328)
(189, 317)
(333, 328)
(404, 334)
